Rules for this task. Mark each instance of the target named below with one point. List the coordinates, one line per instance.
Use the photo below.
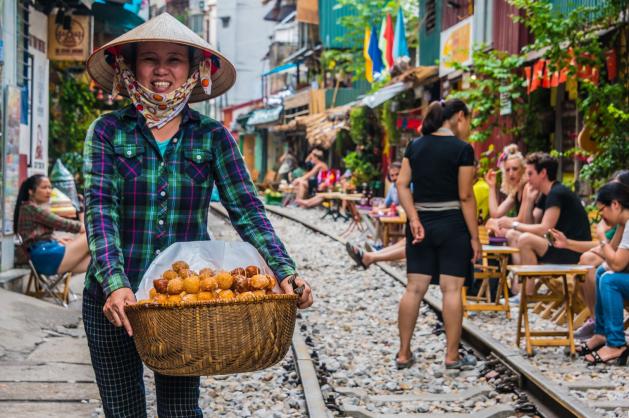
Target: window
(22, 43)
(431, 14)
(196, 23)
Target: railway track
(341, 376)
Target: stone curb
(513, 358)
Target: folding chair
(40, 285)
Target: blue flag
(374, 53)
(400, 48)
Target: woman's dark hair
(622, 176)
(30, 184)
(614, 191)
(440, 111)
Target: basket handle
(299, 290)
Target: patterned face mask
(159, 109)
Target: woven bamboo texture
(215, 337)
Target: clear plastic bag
(217, 255)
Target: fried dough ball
(238, 271)
(259, 293)
(161, 298)
(189, 298)
(245, 296)
(252, 270)
(206, 296)
(160, 285)
(180, 265)
(208, 284)
(192, 284)
(224, 280)
(241, 284)
(206, 272)
(183, 273)
(174, 299)
(259, 281)
(152, 293)
(175, 286)
(226, 294)
(169, 275)
(272, 282)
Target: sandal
(406, 364)
(621, 360)
(466, 362)
(584, 349)
(356, 254)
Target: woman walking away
(442, 231)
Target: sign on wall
(456, 46)
(11, 155)
(38, 154)
(69, 45)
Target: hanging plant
(389, 123)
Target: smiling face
(42, 192)
(162, 67)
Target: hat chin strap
(159, 109)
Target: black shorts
(446, 248)
(559, 256)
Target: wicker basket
(215, 337)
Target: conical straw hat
(163, 28)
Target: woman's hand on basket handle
(114, 308)
(305, 299)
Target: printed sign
(456, 46)
(11, 157)
(38, 148)
(69, 45)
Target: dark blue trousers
(119, 372)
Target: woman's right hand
(560, 239)
(114, 308)
(417, 230)
(490, 178)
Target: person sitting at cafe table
(562, 210)
(307, 184)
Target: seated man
(562, 210)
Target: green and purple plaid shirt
(139, 203)
(37, 223)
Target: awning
(280, 69)
(114, 19)
(417, 75)
(385, 93)
(322, 128)
(264, 116)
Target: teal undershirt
(162, 145)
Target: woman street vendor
(149, 173)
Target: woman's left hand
(476, 249)
(305, 300)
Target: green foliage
(362, 170)
(364, 129)
(388, 119)
(496, 73)
(73, 109)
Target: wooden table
(501, 254)
(524, 273)
(387, 223)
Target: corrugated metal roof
(508, 35)
(329, 27)
(565, 6)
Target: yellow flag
(368, 61)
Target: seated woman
(308, 183)
(612, 281)
(36, 225)
(512, 186)
(325, 184)
(591, 257)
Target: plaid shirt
(139, 203)
(38, 224)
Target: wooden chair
(485, 272)
(547, 274)
(40, 285)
